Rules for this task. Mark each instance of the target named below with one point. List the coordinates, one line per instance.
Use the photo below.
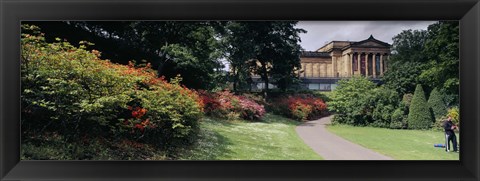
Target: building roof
(334, 45)
(314, 54)
(342, 45)
(369, 39)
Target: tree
(239, 46)
(437, 104)
(407, 61)
(269, 49)
(428, 57)
(442, 50)
(408, 46)
(188, 48)
(420, 116)
(403, 76)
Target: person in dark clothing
(450, 134)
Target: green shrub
(420, 116)
(398, 119)
(173, 114)
(407, 99)
(437, 104)
(383, 102)
(351, 101)
(358, 101)
(71, 91)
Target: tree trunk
(265, 79)
(235, 78)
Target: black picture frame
(14, 11)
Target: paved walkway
(331, 146)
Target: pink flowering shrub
(226, 104)
(250, 109)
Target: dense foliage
(428, 57)
(358, 101)
(189, 48)
(399, 119)
(420, 115)
(437, 104)
(196, 49)
(70, 92)
(268, 49)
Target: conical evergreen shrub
(437, 104)
(419, 116)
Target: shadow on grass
(210, 145)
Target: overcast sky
(321, 32)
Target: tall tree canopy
(268, 49)
(442, 50)
(428, 57)
(190, 49)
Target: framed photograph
(239, 90)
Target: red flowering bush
(71, 91)
(249, 109)
(300, 107)
(225, 104)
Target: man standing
(450, 134)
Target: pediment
(371, 43)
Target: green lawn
(274, 138)
(398, 144)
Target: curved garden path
(331, 146)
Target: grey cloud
(321, 32)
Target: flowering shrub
(226, 104)
(300, 107)
(454, 112)
(250, 109)
(72, 91)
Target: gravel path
(331, 146)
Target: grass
(398, 144)
(273, 138)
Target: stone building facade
(321, 69)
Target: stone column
(312, 69)
(307, 69)
(349, 67)
(316, 68)
(366, 64)
(374, 65)
(381, 64)
(334, 66)
(358, 64)
(325, 67)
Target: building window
(313, 86)
(321, 87)
(261, 85)
(324, 87)
(333, 86)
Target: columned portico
(343, 59)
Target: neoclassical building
(321, 69)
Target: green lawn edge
(273, 138)
(399, 144)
